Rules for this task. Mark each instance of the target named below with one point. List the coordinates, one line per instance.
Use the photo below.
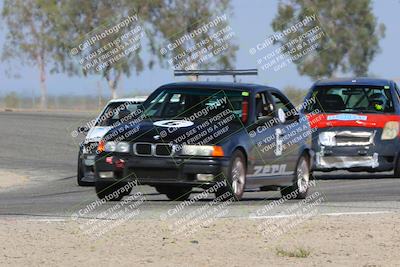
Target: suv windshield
(184, 103)
(117, 112)
(352, 99)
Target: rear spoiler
(233, 73)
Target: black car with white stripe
(197, 134)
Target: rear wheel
(112, 191)
(177, 193)
(236, 180)
(301, 184)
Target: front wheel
(236, 180)
(112, 191)
(301, 184)
(397, 168)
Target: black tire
(301, 183)
(177, 193)
(161, 189)
(397, 168)
(236, 180)
(110, 191)
(80, 173)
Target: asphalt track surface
(40, 145)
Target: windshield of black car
(185, 103)
(118, 112)
(351, 99)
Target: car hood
(326, 120)
(175, 131)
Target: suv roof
(354, 81)
(129, 99)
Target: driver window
(264, 108)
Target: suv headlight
(390, 131)
(122, 147)
(110, 147)
(194, 150)
(327, 138)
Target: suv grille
(344, 140)
(352, 138)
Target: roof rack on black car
(233, 73)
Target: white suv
(110, 116)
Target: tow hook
(362, 152)
(119, 164)
(109, 160)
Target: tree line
(42, 34)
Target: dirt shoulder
(362, 240)
(9, 179)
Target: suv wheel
(111, 191)
(299, 189)
(236, 180)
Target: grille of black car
(143, 149)
(163, 150)
(148, 149)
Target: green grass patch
(297, 253)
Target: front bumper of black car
(374, 156)
(195, 171)
(87, 167)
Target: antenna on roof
(232, 73)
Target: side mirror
(281, 115)
(83, 129)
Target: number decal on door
(279, 142)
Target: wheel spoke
(303, 176)
(238, 176)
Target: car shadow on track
(248, 196)
(352, 176)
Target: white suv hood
(96, 133)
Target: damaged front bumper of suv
(354, 149)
